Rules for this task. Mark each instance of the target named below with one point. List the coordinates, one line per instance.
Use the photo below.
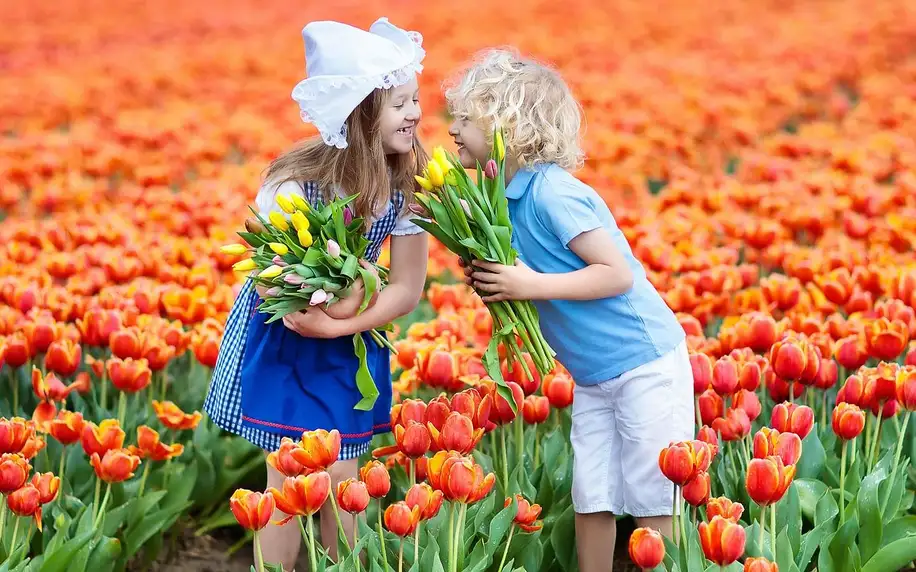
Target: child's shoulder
(553, 184)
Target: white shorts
(618, 429)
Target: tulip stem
(680, 506)
(103, 399)
(15, 534)
(537, 446)
(843, 482)
(356, 541)
(122, 408)
(823, 409)
(452, 565)
(901, 433)
(149, 463)
(259, 555)
(773, 529)
(502, 435)
(416, 546)
(459, 533)
(502, 562)
(763, 518)
(311, 531)
(876, 448)
(697, 414)
(381, 535)
(400, 557)
(340, 529)
(100, 518)
(413, 472)
(2, 516)
(60, 473)
(96, 498)
(520, 440)
(792, 392)
(674, 525)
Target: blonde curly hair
(529, 100)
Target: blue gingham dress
(224, 397)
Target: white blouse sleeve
(266, 201)
(404, 226)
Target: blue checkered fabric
(224, 398)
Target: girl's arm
(606, 275)
(409, 255)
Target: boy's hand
(502, 282)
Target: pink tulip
(279, 261)
(274, 292)
(348, 216)
(333, 248)
(293, 279)
(491, 171)
(318, 297)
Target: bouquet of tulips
(472, 220)
(315, 258)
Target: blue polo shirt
(597, 340)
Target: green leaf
(903, 527)
(563, 538)
(788, 517)
(58, 560)
(500, 524)
(827, 512)
(810, 543)
(784, 553)
(105, 554)
(809, 492)
(813, 456)
(350, 266)
(844, 538)
(364, 381)
(893, 556)
(370, 285)
(869, 516)
(694, 557)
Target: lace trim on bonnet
(388, 80)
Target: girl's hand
(503, 282)
(313, 323)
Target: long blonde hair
(362, 167)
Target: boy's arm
(607, 274)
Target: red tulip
(722, 540)
(422, 496)
(906, 387)
(401, 519)
(115, 466)
(458, 434)
(377, 479)
(792, 418)
(848, 421)
(318, 450)
(710, 437)
(14, 472)
(526, 517)
(559, 389)
(788, 359)
(352, 496)
(283, 461)
(696, 492)
(768, 479)
(725, 375)
(724, 508)
(701, 366)
(535, 409)
(647, 548)
(303, 495)
(681, 462)
(712, 406)
(734, 426)
(26, 501)
(769, 442)
(749, 402)
(252, 510)
(760, 565)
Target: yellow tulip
(285, 204)
(424, 183)
(440, 157)
(299, 220)
(235, 249)
(500, 146)
(300, 203)
(278, 221)
(305, 238)
(279, 248)
(434, 174)
(271, 271)
(246, 265)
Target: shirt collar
(520, 182)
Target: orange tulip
(174, 418)
(768, 479)
(401, 519)
(129, 375)
(722, 540)
(149, 446)
(157, 353)
(48, 387)
(32, 447)
(422, 496)
(760, 565)
(559, 389)
(518, 375)
(886, 339)
(16, 350)
(352, 496)
(414, 440)
(701, 366)
(535, 409)
(408, 410)
(696, 491)
(906, 387)
(526, 516)
(769, 442)
(472, 405)
(734, 426)
(437, 367)
(303, 495)
(749, 374)
(48, 486)
(850, 352)
(853, 391)
(712, 406)
(788, 359)
(116, 466)
(26, 501)
(725, 508)
(67, 427)
(14, 434)
(826, 374)
(14, 472)
(101, 438)
(710, 437)
(792, 418)
(377, 479)
(848, 421)
(283, 461)
(681, 462)
(458, 434)
(459, 478)
(97, 326)
(749, 402)
(252, 510)
(127, 343)
(724, 376)
(647, 548)
(502, 412)
(206, 349)
(63, 357)
(318, 449)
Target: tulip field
(759, 155)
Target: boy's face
(473, 147)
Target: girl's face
(399, 118)
(473, 147)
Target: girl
(281, 379)
(608, 325)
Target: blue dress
(269, 382)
